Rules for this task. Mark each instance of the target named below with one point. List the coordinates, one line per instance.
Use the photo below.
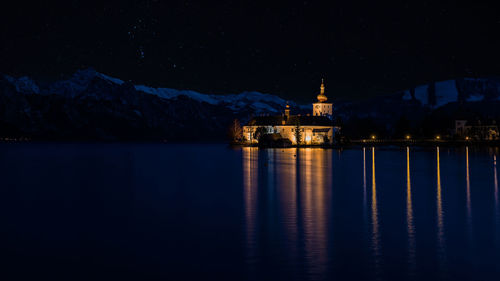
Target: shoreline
(354, 143)
(401, 143)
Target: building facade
(477, 130)
(322, 108)
(311, 130)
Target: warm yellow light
(373, 137)
(466, 138)
(308, 138)
(438, 137)
(407, 137)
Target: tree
(259, 132)
(235, 131)
(326, 140)
(298, 133)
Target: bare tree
(235, 131)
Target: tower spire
(321, 96)
(287, 111)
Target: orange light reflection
(250, 185)
(467, 178)
(440, 215)
(409, 216)
(375, 225)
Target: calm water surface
(178, 212)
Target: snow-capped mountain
(93, 106)
(23, 84)
(438, 94)
(78, 84)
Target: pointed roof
(321, 97)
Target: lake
(207, 211)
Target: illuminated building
(322, 108)
(477, 130)
(316, 129)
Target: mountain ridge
(76, 84)
(93, 106)
(451, 90)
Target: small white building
(477, 130)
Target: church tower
(322, 108)
(287, 111)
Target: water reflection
(495, 184)
(316, 179)
(250, 186)
(375, 226)
(270, 161)
(467, 178)
(364, 182)
(440, 215)
(227, 221)
(301, 179)
(495, 180)
(289, 210)
(286, 170)
(409, 217)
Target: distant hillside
(424, 110)
(460, 90)
(93, 106)
(76, 85)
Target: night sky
(362, 49)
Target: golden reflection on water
(250, 186)
(375, 226)
(301, 181)
(467, 178)
(409, 216)
(364, 181)
(302, 178)
(440, 215)
(315, 182)
(286, 167)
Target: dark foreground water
(199, 212)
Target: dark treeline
(420, 122)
